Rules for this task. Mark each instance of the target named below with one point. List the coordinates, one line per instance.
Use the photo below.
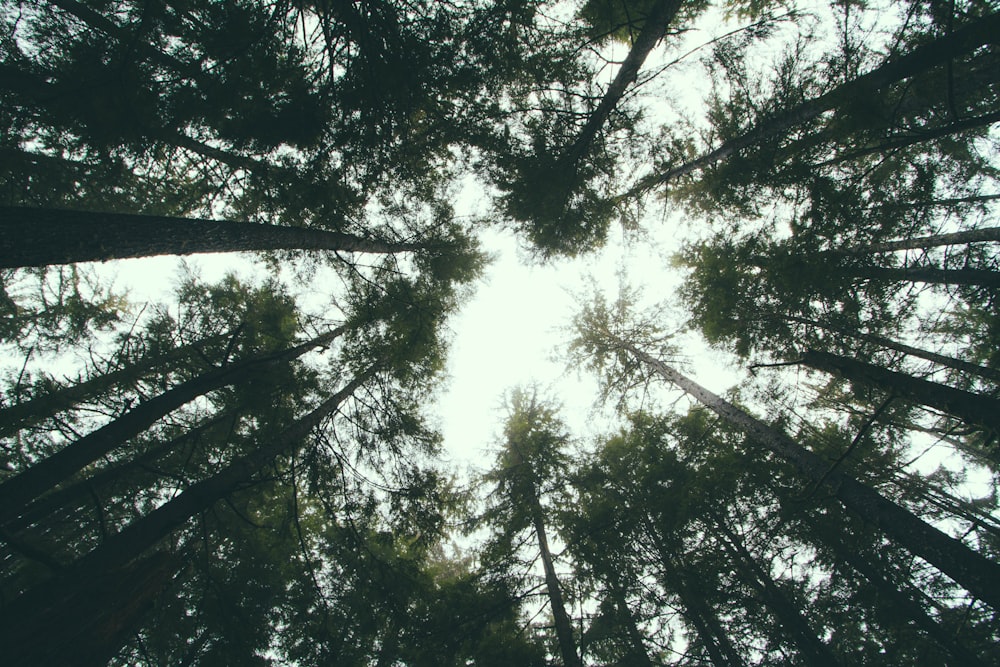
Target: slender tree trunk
(979, 32)
(986, 234)
(120, 549)
(949, 362)
(656, 24)
(720, 650)
(972, 408)
(17, 491)
(564, 629)
(789, 617)
(638, 655)
(925, 274)
(60, 499)
(902, 602)
(40, 237)
(32, 411)
(971, 570)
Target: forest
(251, 470)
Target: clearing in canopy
(803, 454)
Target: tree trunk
(986, 234)
(17, 491)
(789, 617)
(974, 409)
(971, 570)
(925, 274)
(61, 498)
(979, 32)
(656, 24)
(902, 602)
(564, 629)
(86, 621)
(949, 362)
(120, 549)
(720, 650)
(34, 410)
(40, 237)
(638, 654)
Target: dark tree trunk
(902, 603)
(925, 274)
(17, 491)
(974, 409)
(789, 617)
(60, 499)
(981, 31)
(120, 549)
(86, 621)
(30, 412)
(949, 362)
(40, 237)
(986, 234)
(656, 24)
(637, 654)
(971, 570)
(720, 650)
(564, 629)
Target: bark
(903, 603)
(982, 31)
(120, 549)
(86, 622)
(720, 650)
(971, 570)
(564, 629)
(987, 234)
(30, 412)
(656, 24)
(925, 274)
(638, 654)
(789, 617)
(971, 408)
(61, 499)
(949, 362)
(17, 491)
(40, 237)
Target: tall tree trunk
(564, 629)
(986, 234)
(656, 24)
(34, 410)
(17, 491)
(120, 549)
(86, 622)
(637, 654)
(60, 499)
(720, 650)
(789, 617)
(902, 602)
(40, 237)
(949, 362)
(925, 274)
(971, 408)
(979, 32)
(971, 570)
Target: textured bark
(40, 237)
(903, 603)
(971, 408)
(30, 412)
(981, 31)
(17, 491)
(789, 617)
(949, 362)
(971, 570)
(656, 24)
